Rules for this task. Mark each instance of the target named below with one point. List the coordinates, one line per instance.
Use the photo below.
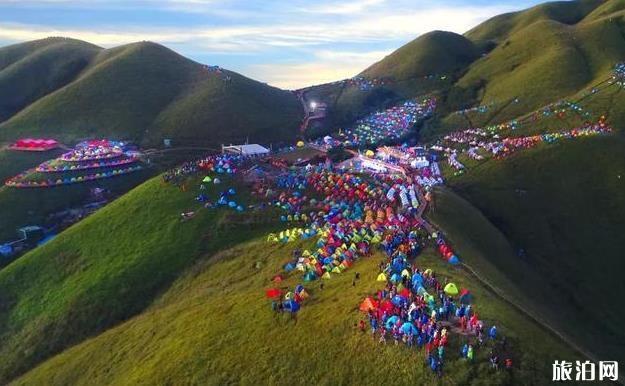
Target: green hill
(145, 92)
(501, 27)
(568, 228)
(436, 52)
(32, 70)
(164, 289)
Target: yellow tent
(300, 143)
(336, 270)
(451, 289)
(326, 276)
(369, 153)
(381, 277)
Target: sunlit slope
(101, 271)
(214, 326)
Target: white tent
(251, 149)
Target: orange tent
(368, 304)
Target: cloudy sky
(287, 43)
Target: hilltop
(142, 92)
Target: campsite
(385, 205)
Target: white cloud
(360, 24)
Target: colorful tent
(451, 289)
(273, 293)
(368, 304)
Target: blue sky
(288, 44)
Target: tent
(273, 293)
(368, 304)
(310, 276)
(300, 143)
(207, 179)
(291, 306)
(277, 279)
(409, 328)
(381, 277)
(390, 322)
(451, 289)
(465, 296)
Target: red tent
(30, 144)
(273, 293)
(277, 279)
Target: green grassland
(563, 206)
(214, 326)
(80, 284)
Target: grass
(436, 52)
(103, 270)
(32, 70)
(216, 323)
(145, 92)
(15, 162)
(568, 226)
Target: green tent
(207, 179)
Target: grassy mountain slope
(436, 52)
(569, 228)
(30, 71)
(500, 27)
(217, 325)
(79, 284)
(22, 207)
(146, 92)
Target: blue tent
(417, 280)
(454, 260)
(310, 276)
(398, 300)
(396, 278)
(291, 306)
(390, 322)
(289, 267)
(409, 328)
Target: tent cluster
(23, 181)
(354, 217)
(54, 166)
(289, 301)
(417, 309)
(91, 153)
(30, 144)
(479, 143)
(218, 163)
(485, 108)
(103, 158)
(618, 75)
(389, 124)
